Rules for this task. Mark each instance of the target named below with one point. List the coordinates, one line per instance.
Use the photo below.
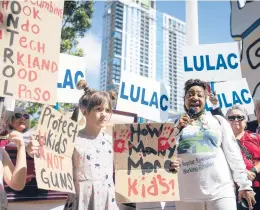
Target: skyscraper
(139, 39)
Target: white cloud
(91, 45)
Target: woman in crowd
(210, 159)
(93, 154)
(17, 120)
(14, 176)
(249, 145)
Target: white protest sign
(29, 49)
(233, 93)
(143, 96)
(212, 62)
(71, 70)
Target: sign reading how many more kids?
(53, 165)
(143, 96)
(231, 93)
(212, 62)
(143, 154)
(71, 70)
(29, 49)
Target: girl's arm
(15, 176)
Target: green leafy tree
(76, 21)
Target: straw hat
(8, 114)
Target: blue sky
(214, 27)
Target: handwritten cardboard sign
(29, 53)
(53, 164)
(143, 153)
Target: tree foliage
(76, 21)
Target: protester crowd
(231, 143)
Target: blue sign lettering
(203, 62)
(69, 81)
(122, 95)
(140, 97)
(163, 97)
(242, 97)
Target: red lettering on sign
(32, 45)
(28, 11)
(132, 187)
(30, 28)
(36, 94)
(5, 4)
(1, 18)
(53, 158)
(42, 143)
(31, 75)
(158, 185)
(153, 189)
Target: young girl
(93, 155)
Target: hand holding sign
(213, 98)
(33, 147)
(175, 165)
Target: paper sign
(232, 93)
(143, 153)
(71, 70)
(212, 62)
(143, 96)
(53, 164)
(29, 53)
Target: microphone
(190, 113)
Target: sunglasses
(236, 117)
(19, 116)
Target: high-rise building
(139, 39)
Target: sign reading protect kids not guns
(143, 153)
(29, 53)
(53, 163)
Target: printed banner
(143, 153)
(53, 164)
(71, 70)
(29, 53)
(143, 96)
(212, 62)
(231, 93)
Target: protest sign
(71, 70)
(29, 53)
(232, 93)
(143, 153)
(56, 134)
(143, 96)
(212, 62)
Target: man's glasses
(19, 116)
(236, 117)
